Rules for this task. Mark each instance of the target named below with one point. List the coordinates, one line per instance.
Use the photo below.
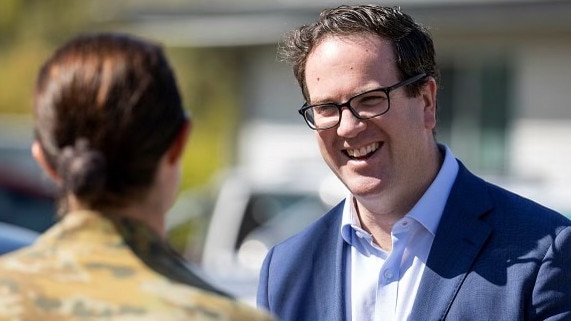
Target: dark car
(27, 197)
(13, 237)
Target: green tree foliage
(209, 91)
(29, 30)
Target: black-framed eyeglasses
(369, 104)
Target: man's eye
(325, 111)
(372, 100)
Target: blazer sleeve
(262, 295)
(552, 292)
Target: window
(474, 111)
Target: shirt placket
(389, 275)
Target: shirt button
(388, 274)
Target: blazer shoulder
(512, 203)
(493, 199)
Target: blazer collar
(330, 270)
(459, 238)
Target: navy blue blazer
(495, 256)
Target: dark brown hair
(412, 43)
(107, 108)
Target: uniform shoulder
(28, 299)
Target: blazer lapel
(329, 289)
(459, 238)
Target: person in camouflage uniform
(110, 130)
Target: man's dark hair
(412, 43)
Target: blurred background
(253, 175)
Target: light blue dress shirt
(382, 285)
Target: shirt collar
(427, 211)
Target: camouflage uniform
(88, 267)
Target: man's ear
(38, 154)
(177, 147)
(428, 94)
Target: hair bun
(83, 170)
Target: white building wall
(541, 137)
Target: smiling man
(419, 237)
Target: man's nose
(349, 124)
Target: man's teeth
(363, 150)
